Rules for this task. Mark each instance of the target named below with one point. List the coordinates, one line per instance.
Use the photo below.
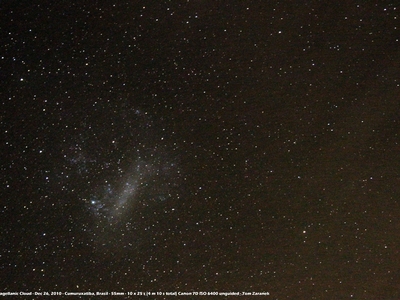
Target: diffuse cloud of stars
(201, 145)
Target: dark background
(281, 117)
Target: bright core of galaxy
(112, 202)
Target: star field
(201, 146)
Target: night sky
(201, 146)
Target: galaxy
(233, 148)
